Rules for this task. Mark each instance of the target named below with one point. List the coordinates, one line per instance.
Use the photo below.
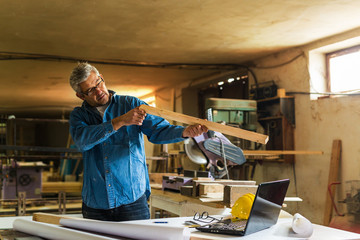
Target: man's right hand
(135, 116)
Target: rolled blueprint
(51, 231)
(302, 226)
(138, 230)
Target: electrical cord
(281, 64)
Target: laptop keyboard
(238, 225)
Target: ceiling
(134, 44)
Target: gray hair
(80, 73)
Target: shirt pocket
(121, 137)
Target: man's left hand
(194, 130)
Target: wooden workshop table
(280, 231)
(183, 206)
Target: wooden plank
(196, 184)
(233, 192)
(186, 190)
(48, 218)
(157, 178)
(333, 177)
(54, 187)
(281, 152)
(181, 198)
(232, 131)
(205, 188)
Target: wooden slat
(196, 184)
(333, 177)
(55, 187)
(205, 188)
(232, 131)
(49, 218)
(233, 192)
(186, 190)
(281, 152)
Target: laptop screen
(267, 205)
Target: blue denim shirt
(115, 171)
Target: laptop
(264, 212)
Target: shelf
(277, 117)
(274, 99)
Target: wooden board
(196, 184)
(333, 177)
(55, 187)
(232, 131)
(205, 188)
(156, 178)
(186, 190)
(281, 152)
(233, 192)
(49, 218)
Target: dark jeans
(137, 210)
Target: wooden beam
(55, 187)
(186, 190)
(233, 192)
(281, 152)
(49, 218)
(232, 131)
(224, 182)
(333, 177)
(205, 188)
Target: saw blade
(232, 152)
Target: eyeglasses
(205, 218)
(91, 91)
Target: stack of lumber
(227, 191)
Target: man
(108, 129)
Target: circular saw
(215, 150)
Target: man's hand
(135, 116)
(194, 130)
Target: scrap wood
(232, 131)
(196, 184)
(207, 188)
(49, 218)
(233, 192)
(281, 152)
(186, 190)
(333, 177)
(54, 187)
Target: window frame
(333, 54)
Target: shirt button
(106, 157)
(107, 171)
(104, 144)
(109, 185)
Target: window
(343, 71)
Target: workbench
(282, 230)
